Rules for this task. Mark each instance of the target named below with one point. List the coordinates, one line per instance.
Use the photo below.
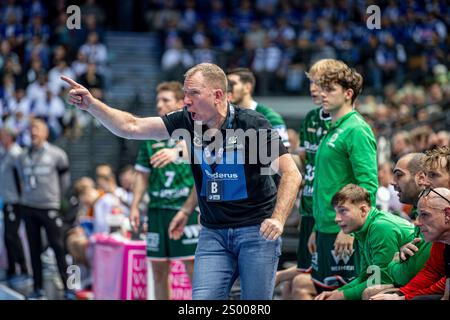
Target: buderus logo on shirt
(232, 190)
(225, 176)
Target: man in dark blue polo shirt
(231, 152)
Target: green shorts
(330, 272)
(160, 247)
(303, 255)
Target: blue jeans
(224, 254)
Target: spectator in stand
(54, 80)
(243, 16)
(37, 49)
(401, 145)
(266, 61)
(390, 57)
(36, 90)
(34, 8)
(216, 13)
(79, 66)
(255, 35)
(420, 137)
(19, 102)
(59, 54)
(37, 28)
(6, 54)
(12, 70)
(126, 181)
(167, 13)
(99, 206)
(204, 53)
(322, 50)
(11, 9)
(95, 51)
(33, 72)
(91, 8)
(61, 34)
(93, 81)
(106, 181)
(368, 60)
(189, 16)
(18, 123)
(12, 30)
(387, 198)
(176, 60)
(7, 89)
(52, 109)
(89, 25)
(440, 139)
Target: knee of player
(302, 281)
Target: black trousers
(14, 249)
(51, 221)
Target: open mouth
(194, 116)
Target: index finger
(71, 82)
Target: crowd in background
(36, 48)
(279, 39)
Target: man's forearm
(140, 185)
(191, 202)
(64, 182)
(125, 125)
(287, 194)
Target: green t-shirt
(379, 239)
(170, 186)
(346, 154)
(276, 121)
(313, 128)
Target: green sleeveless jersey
(170, 186)
(312, 129)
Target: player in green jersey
(380, 235)
(168, 188)
(346, 154)
(312, 129)
(242, 83)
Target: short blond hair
(321, 66)
(212, 73)
(434, 157)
